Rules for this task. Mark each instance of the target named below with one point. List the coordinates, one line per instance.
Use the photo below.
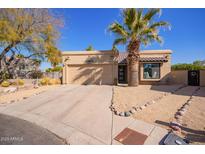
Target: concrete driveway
(79, 114)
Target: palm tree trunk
(133, 63)
(133, 74)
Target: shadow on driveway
(16, 131)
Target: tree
(27, 32)
(53, 56)
(89, 48)
(138, 28)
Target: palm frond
(151, 13)
(118, 29)
(148, 39)
(129, 15)
(119, 41)
(160, 24)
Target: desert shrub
(52, 81)
(58, 81)
(20, 82)
(44, 81)
(5, 84)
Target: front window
(151, 70)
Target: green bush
(55, 69)
(187, 67)
(5, 84)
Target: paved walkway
(80, 114)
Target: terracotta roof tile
(123, 55)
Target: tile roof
(123, 55)
(153, 59)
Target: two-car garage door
(90, 74)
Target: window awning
(153, 59)
(122, 59)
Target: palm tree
(138, 28)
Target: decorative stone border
(139, 108)
(175, 125)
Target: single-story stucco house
(105, 68)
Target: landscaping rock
(122, 114)
(142, 107)
(117, 112)
(135, 108)
(177, 116)
(176, 128)
(175, 123)
(127, 114)
(36, 86)
(185, 106)
(132, 111)
(181, 113)
(153, 102)
(10, 90)
(149, 103)
(183, 109)
(189, 102)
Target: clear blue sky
(89, 26)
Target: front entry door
(122, 74)
(193, 78)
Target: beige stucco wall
(92, 67)
(165, 67)
(179, 77)
(202, 78)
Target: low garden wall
(181, 77)
(55, 75)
